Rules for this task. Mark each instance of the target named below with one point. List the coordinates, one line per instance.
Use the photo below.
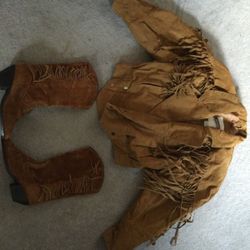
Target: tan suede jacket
(178, 117)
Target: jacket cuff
(132, 10)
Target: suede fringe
(185, 166)
(193, 71)
(83, 185)
(64, 72)
(179, 180)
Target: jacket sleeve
(155, 29)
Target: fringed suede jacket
(178, 117)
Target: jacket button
(125, 87)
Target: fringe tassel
(185, 166)
(187, 219)
(179, 180)
(81, 185)
(193, 71)
(61, 72)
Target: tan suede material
(77, 172)
(154, 114)
(73, 85)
